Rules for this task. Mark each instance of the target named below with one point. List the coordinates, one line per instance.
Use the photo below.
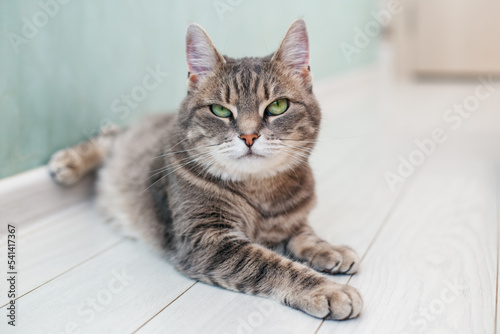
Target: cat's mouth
(252, 155)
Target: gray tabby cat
(216, 187)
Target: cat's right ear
(294, 48)
(201, 54)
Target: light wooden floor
(429, 246)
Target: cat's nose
(249, 139)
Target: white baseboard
(33, 195)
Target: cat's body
(216, 187)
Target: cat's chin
(247, 167)
(251, 156)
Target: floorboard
(433, 267)
(57, 244)
(116, 292)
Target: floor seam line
(395, 204)
(68, 270)
(320, 324)
(36, 227)
(171, 302)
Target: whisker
(205, 169)
(302, 148)
(183, 159)
(177, 144)
(164, 176)
(295, 152)
(166, 168)
(191, 149)
(199, 157)
(297, 161)
(300, 140)
(298, 150)
(322, 139)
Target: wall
(62, 74)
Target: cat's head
(250, 116)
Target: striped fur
(187, 185)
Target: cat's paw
(333, 301)
(64, 168)
(334, 259)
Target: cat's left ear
(201, 55)
(294, 48)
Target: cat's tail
(69, 165)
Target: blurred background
(68, 68)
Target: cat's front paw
(334, 259)
(333, 301)
(64, 168)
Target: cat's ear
(294, 48)
(201, 54)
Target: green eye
(220, 111)
(277, 107)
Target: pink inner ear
(294, 48)
(202, 57)
(297, 49)
(197, 62)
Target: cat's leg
(219, 258)
(69, 165)
(319, 254)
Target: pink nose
(249, 139)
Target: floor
(424, 217)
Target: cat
(222, 183)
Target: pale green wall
(61, 83)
